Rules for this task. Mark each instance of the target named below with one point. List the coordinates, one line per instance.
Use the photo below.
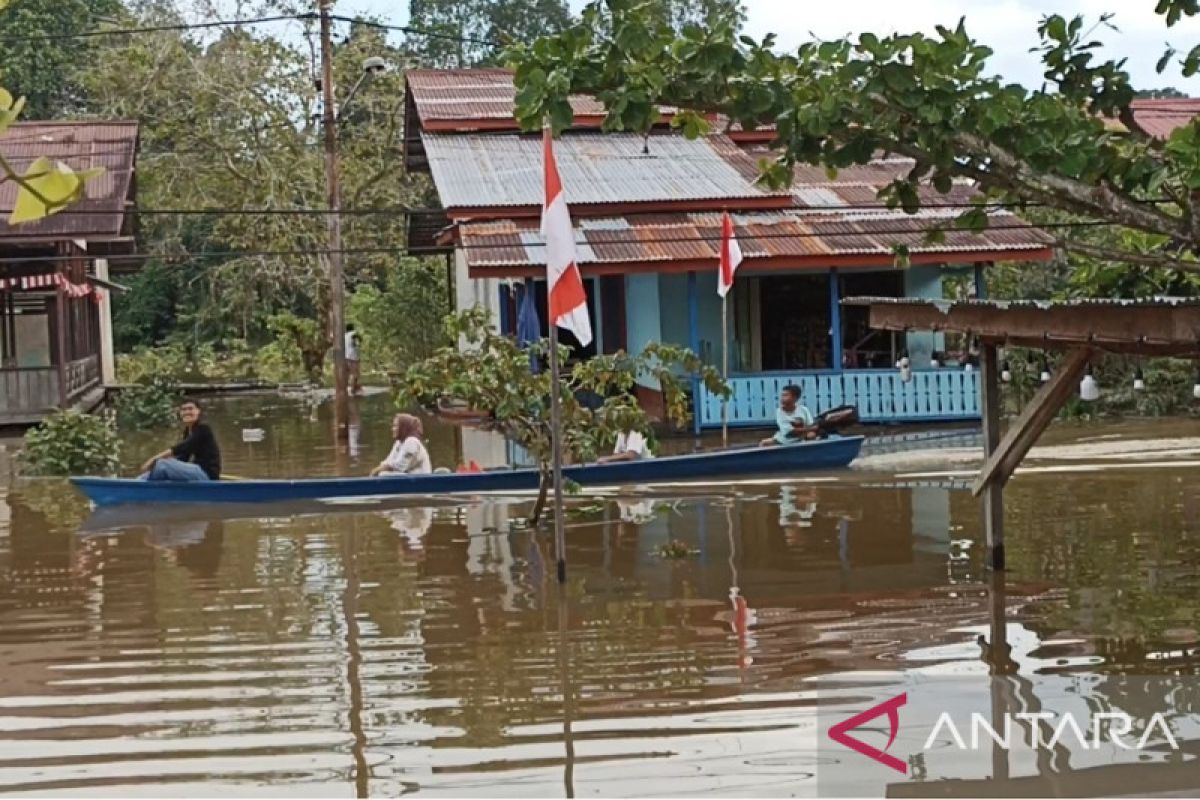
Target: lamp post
(337, 286)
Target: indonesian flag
(731, 255)
(568, 301)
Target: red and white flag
(731, 255)
(568, 300)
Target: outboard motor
(835, 420)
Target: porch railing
(27, 392)
(82, 374)
(881, 396)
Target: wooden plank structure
(1151, 327)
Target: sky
(1009, 27)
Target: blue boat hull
(829, 453)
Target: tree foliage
(393, 333)
(469, 33)
(230, 123)
(1073, 145)
(491, 372)
(40, 60)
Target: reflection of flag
(731, 255)
(743, 620)
(567, 301)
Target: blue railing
(881, 396)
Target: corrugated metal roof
(1101, 302)
(465, 95)
(81, 145)
(1161, 117)
(478, 170)
(649, 238)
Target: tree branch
(1163, 261)
(1102, 200)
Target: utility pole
(337, 288)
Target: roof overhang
(1152, 327)
(814, 263)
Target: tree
(228, 125)
(1074, 146)
(393, 333)
(468, 33)
(45, 187)
(1165, 93)
(492, 373)
(40, 59)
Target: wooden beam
(993, 497)
(1042, 409)
(1145, 329)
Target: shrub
(165, 360)
(149, 404)
(71, 443)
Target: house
(1159, 117)
(56, 347)
(647, 212)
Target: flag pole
(725, 367)
(560, 544)
(556, 478)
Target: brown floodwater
(380, 650)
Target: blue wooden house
(647, 212)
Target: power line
(416, 31)
(183, 257)
(715, 238)
(797, 211)
(232, 23)
(182, 26)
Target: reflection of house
(55, 310)
(647, 214)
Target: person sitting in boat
(408, 456)
(631, 446)
(197, 457)
(791, 418)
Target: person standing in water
(408, 456)
(353, 366)
(197, 456)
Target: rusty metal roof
(505, 171)
(1160, 117)
(784, 239)
(470, 99)
(81, 145)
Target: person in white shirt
(353, 369)
(408, 456)
(630, 446)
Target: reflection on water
(430, 649)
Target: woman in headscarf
(408, 456)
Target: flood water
(378, 651)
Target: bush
(150, 404)
(165, 360)
(71, 443)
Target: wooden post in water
(993, 493)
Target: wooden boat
(831, 453)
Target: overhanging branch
(1163, 261)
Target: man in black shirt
(196, 458)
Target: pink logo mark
(890, 707)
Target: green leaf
(1164, 60)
